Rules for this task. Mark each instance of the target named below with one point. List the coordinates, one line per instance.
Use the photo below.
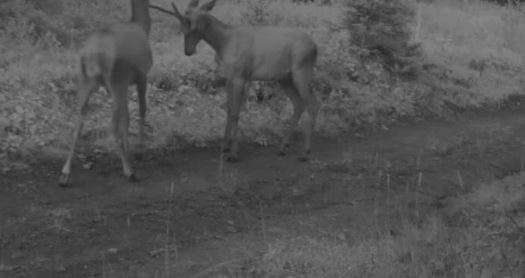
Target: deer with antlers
(115, 57)
(264, 53)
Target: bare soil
(191, 215)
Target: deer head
(193, 23)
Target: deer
(115, 57)
(243, 54)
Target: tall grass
(473, 237)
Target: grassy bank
(476, 236)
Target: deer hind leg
(86, 87)
(141, 93)
(298, 109)
(120, 125)
(226, 144)
(301, 80)
(237, 100)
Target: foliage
(382, 27)
(256, 13)
(379, 22)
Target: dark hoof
(302, 158)
(232, 158)
(63, 181)
(133, 178)
(139, 156)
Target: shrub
(256, 13)
(382, 27)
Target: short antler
(193, 4)
(174, 13)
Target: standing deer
(115, 57)
(243, 54)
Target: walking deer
(115, 57)
(264, 53)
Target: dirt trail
(219, 214)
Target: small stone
(41, 259)
(6, 268)
(17, 255)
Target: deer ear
(193, 4)
(208, 6)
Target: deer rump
(105, 50)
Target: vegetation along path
(191, 215)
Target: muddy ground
(193, 216)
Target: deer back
(266, 52)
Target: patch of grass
(477, 236)
(479, 42)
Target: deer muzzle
(190, 42)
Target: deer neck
(140, 14)
(216, 33)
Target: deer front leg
(86, 87)
(237, 100)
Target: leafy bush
(382, 27)
(256, 13)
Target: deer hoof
(132, 178)
(302, 158)
(63, 181)
(232, 158)
(139, 156)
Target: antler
(151, 6)
(174, 13)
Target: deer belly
(270, 71)
(261, 70)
